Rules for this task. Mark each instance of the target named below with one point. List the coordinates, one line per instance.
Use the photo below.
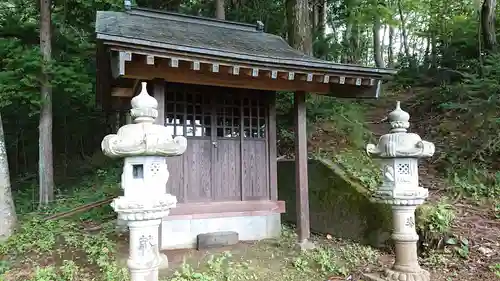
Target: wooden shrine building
(216, 83)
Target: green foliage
(344, 117)
(72, 73)
(57, 240)
(469, 125)
(360, 167)
(495, 268)
(220, 267)
(330, 258)
(434, 223)
(68, 249)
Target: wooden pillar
(159, 95)
(273, 170)
(301, 180)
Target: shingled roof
(206, 36)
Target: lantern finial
(399, 119)
(144, 107)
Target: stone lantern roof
(398, 142)
(144, 137)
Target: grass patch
(61, 250)
(279, 260)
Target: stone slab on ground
(216, 239)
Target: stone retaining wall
(338, 205)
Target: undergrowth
(60, 249)
(329, 259)
(462, 118)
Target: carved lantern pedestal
(398, 153)
(144, 147)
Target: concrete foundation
(182, 234)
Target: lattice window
(232, 109)
(188, 113)
(403, 169)
(254, 117)
(228, 115)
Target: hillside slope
(470, 247)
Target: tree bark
(219, 10)
(377, 48)
(322, 17)
(7, 210)
(299, 25)
(346, 44)
(403, 30)
(45, 161)
(488, 20)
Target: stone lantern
(144, 146)
(398, 152)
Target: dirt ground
(275, 260)
(476, 223)
(333, 259)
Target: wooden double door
(227, 155)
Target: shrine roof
(210, 37)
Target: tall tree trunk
(488, 20)
(390, 48)
(7, 210)
(403, 30)
(299, 25)
(45, 161)
(219, 10)
(314, 15)
(377, 48)
(354, 44)
(346, 44)
(427, 52)
(322, 17)
(434, 51)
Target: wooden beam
(159, 95)
(301, 176)
(274, 74)
(242, 150)
(234, 70)
(309, 77)
(195, 65)
(206, 58)
(150, 60)
(271, 80)
(121, 92)
(183, 74)
(118, 60)
(252, 72)
(215, 68)
(225, 209)
(173, 62)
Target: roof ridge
(192, 19)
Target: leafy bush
(434, 223)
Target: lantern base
(163, 261)
(393, 275)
